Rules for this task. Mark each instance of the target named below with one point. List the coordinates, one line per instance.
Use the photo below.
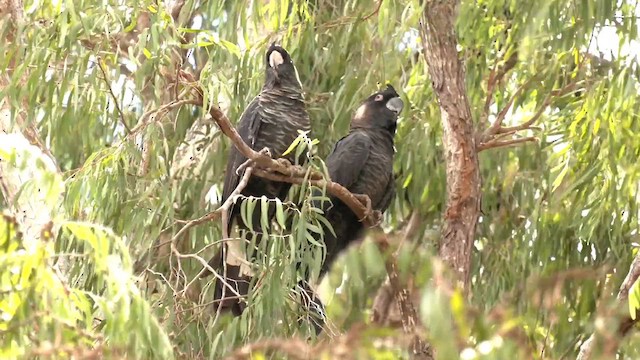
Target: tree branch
(382, 307)
(351, 200)
(625, 322)
(495, 77)
(488, 139)
(505, 143)
(497, 124)
(374, 12)
(419, 348)
(217, 213)
(113, 95)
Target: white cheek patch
(360, 112)
(275, 59)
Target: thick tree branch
(176, 8)
(356, 202)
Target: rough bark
(461, 159)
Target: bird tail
(233, 274)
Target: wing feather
(248, 129)
(348, 158)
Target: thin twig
(206, 266)
(201, 220)
(497, 124)
(213, 215)
(225, 227)
(159, 112)
(494, 80)
(497, 144)
(115, 99)
(374, 12)
(491, 137)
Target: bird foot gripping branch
(265, 151)
(372, 217)
(284, 162)
(251, 162)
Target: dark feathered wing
(248, 129)
(348, 157)
(389, 194)
(345, 165)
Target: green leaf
(280, 213)
(292, 146)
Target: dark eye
(378, 97)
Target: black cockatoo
(362, 162)
(272, 121)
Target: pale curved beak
(395, 104)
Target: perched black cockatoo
(362, 162)
(272, 121)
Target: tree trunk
(461, 158)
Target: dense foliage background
(101, 87)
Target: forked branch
(493, 137)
